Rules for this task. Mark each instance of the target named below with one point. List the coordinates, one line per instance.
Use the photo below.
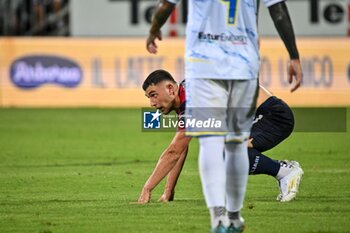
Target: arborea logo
(151, 120)
(33, 71)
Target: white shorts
(220, 107)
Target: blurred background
(73, 151)
(73, 53)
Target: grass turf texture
(76, 170)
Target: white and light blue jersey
(222, 39)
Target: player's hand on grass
(145, 196)
(151, 45)
(167, 196)
(294, 70)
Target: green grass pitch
(76, 170)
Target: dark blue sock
(261, 164)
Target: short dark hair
(156, 77)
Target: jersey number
(232, 11)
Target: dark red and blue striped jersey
(182, 95)
(181, 111)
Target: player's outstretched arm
(283, 24)
(169, 190)
(162, 13)
(167, 161)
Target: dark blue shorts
(274, 122)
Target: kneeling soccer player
(273, 123)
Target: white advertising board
(132, 17)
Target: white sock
(235, 218)
(285, 169)
(237, 168)
(212, 170)
(218, 214)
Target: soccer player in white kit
(221, 71)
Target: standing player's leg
(241, 108)
(213, 179)
(202, 96)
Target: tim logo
(151, 120)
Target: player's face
(162, 96)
